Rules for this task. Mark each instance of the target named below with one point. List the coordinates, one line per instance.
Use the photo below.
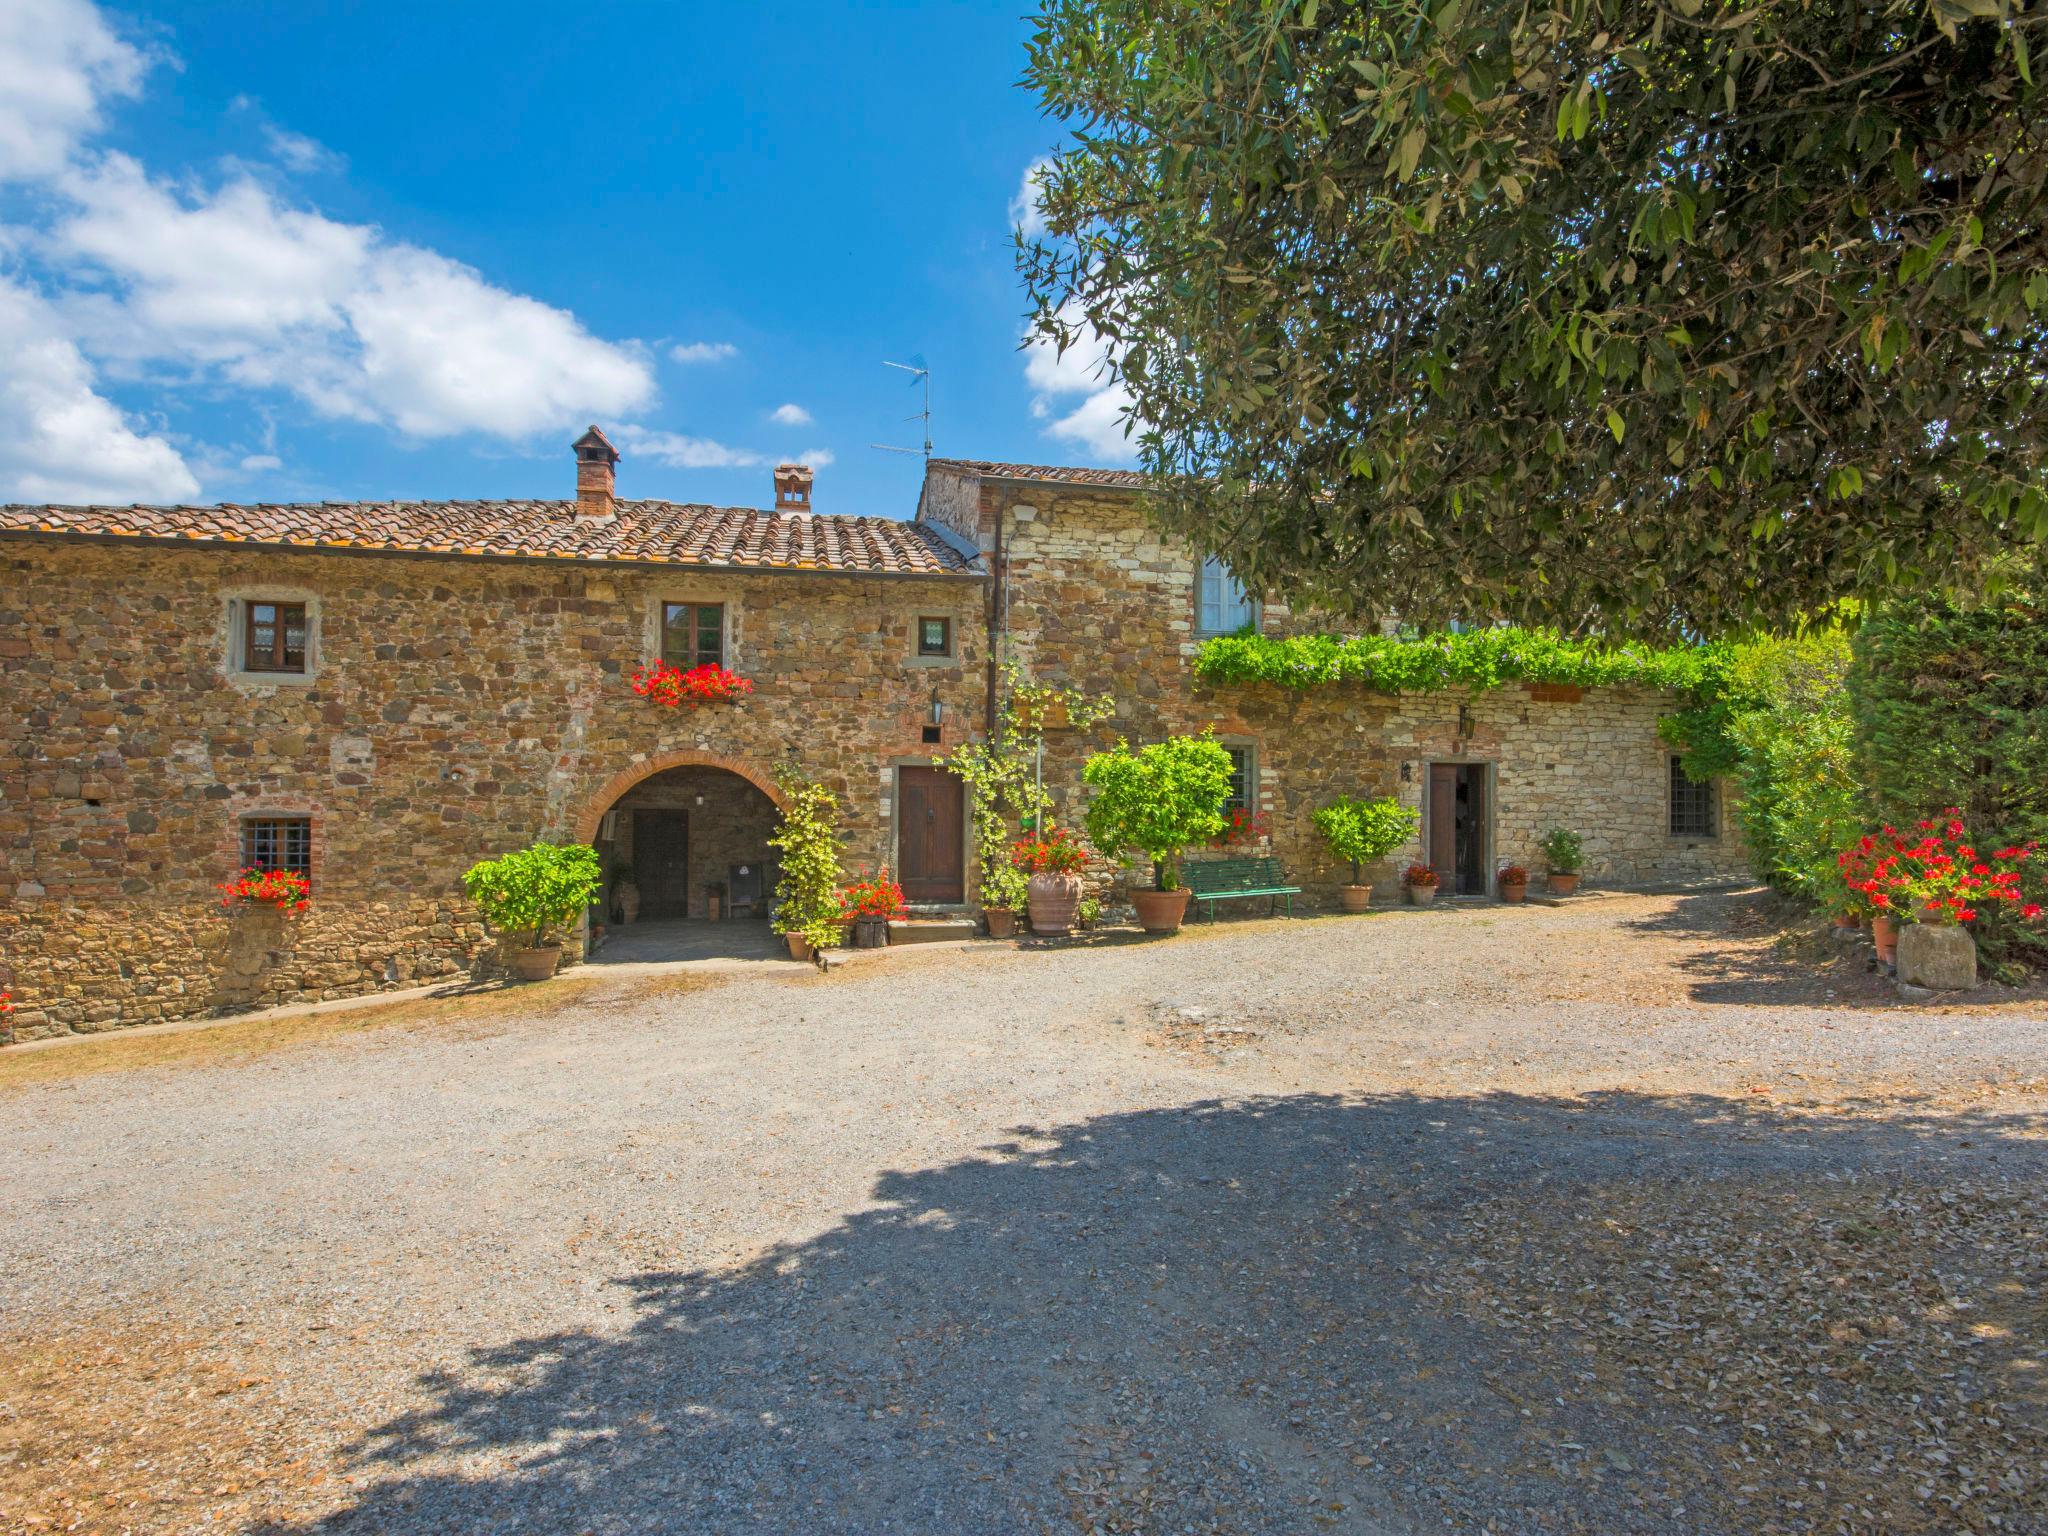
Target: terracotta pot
(1884, 933)
(1002, 922)
(1845, 920)
(799, 946)
(535, 964)
(1356, 898)
(870, 932)
(1514, 892)
(1053, 900)
(1161, 911)
(1421, 895)
(629, 902)
(1561, 883)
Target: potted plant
(1362, 832)
(1420, 880)
(1925, 887)
(1052, 860)
(868, 905)
(1004, 892)
(625, 893)
(1564, 855)
(807, 889)
(673, 687)
(1088, 914)
(285, 890)
(1158, 801)
(527, 895)
(1513, 881)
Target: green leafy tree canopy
(1691, 315)
(532, 892)
(1362, 832)
(1160, 800)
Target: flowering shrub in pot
(673, 687)
(1420, 881)
(1052, 861)
(1362, 832)
(1564, 855)
(807, 908)
(528, 895)
(284, 889)
(1513, 881)
(868, 905)
(1158, 801)
(1935, 880)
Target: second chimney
(792, 487)
(595, 458)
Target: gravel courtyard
(1633, 1215)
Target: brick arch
(661, 762)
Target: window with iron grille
(934, 637)
(273, 637)
(693, 634)
(1244, 780)
(1693, 808)
(1222, 607)
(278, 842)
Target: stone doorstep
(932, 928)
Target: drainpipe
(998, 625)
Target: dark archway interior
(689, 836)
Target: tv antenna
(923, 376)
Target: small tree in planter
(1362, 832)
(1564, 855)
(1160, 801)
(807, 911)
(528, 895)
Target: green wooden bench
(1214, 880)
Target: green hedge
(1478, 659)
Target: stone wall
(460, 708)
(1099, 600)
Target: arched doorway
(688, 834)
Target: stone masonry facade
(460, 702)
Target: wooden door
(661, 863)
(931, 835)
(1443, 825)
(1472, 870)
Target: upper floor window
(1694, 812)
(278, 842)
(693, 634)
(1222, 607)
(934, 637)
(273, 637)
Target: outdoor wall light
(938, 708)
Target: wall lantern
(938, 708)
(1464, 719)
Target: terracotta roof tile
(1061, 474)
(662, 531)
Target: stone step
(918, 929)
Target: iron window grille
(278, 842)
(1694, 811)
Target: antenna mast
(923, 376)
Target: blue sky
(315, 251)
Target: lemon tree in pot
(1362, 832)
(1157, 801)
(528, 896)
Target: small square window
(693, 634)
(273, 637)
(1694, 811)
(934, 637)
(278, 842)
(1244, 780)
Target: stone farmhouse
(382, 693)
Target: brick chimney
(792, 487)
(595, 457)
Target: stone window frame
(953, 632)
(1674, 767)
(263, 807)
(697, 593)
(1257, 607)
(234, 636)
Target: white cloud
(790, 416)
(817, 458)
(360, 327)
(257, 463)
(681, 452)
(60, 440)
(59, 61)
(296, 152)
(1086, 368)
(703, 351)
(1025, 216)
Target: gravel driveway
(1616, 1217)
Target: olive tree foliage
(1653, 314)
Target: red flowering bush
(673, 686)
(281, 888)
(879, 897)
(1512, 874)
(1933, 874)
(1419, 874)
(1242, 829)
(1051, 852)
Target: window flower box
(673, 687)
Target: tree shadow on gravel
(1298, 1313)
(1760, 950)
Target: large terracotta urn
(535, 964)
(1161, 911)
(1053, 900)
(1356, 898)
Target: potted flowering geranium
(868, 905)
(1420, 881)
(1362, 832)
(1052, 860)
(527, 896)
(1158, 801)
(673, 687)
(1933, 882)
(1513, 881)
(284, 889)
